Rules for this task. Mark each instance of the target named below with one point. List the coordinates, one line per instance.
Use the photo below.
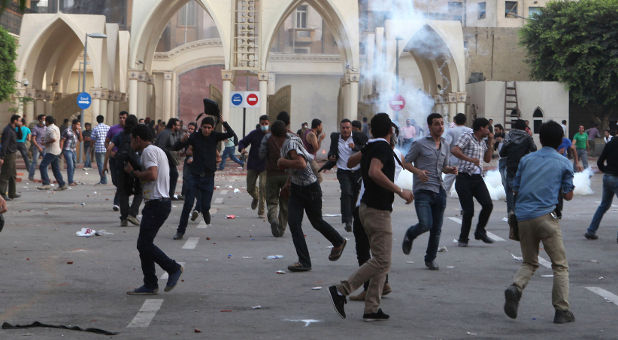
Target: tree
(576, 42)
(8, 54)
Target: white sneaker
(115, 207)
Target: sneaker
(44, 187)
(115, 207)
(348, 227)
(15, 196)
(336, 252)
(431, 265)
(31, 179)
(563, 316)
(406, 245)
(274, 229)
(462, 243)
(338, 301)
(378, 316)
(143, 291)
(386, 289)
(484, 238)
(178, 236)
(359, 297)
(511, 301)
(298, 267)
(590, 236)
(124, 223)
(133, 220)
(73, 184)
(62, 188)
(207, 217)
(173, 279)
(194, 215)
(254, 204)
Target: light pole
(81, 118)
(397, 73)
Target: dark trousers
(193, 191)
(8, 175)
(154, 214)
(188, 184)
(349, 185)
(173, 179)
(469, 187)
(430, 211)
(308, 199)
(113, 169)
(123, 198)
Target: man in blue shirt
(540, 177)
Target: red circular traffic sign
(252, 99)
(397, 103)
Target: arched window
(538, 119)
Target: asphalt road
(229, 290)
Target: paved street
(52, 276)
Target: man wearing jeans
(98, 137)
(580, 140)
(305, 196)
(155, 180)
(430, 155)
(68, 144)
(51, 140)
(378, 172)
(469, 148)
(38, 132)
(610, 185)
(540, 177)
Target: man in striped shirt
(470, 148)
(98, 136)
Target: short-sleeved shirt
(70, 140)
(580, 140)
(302, 177)
(114, 130)
(473, 148)
(376, 196)
(38, 132)
(566, 144)
(98, 136)
(52, 132)
(425, 156)
(540, 177)
(159, 188)
(87, 134)
(25, 131)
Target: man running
(255, 165)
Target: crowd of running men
(284, 182)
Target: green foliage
(8, 54)
(576, 42)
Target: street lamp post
(397, 73)
(81, 118)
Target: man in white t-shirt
(155, 182)
(51, 141)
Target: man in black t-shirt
(378, 171)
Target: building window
(538, 119)
(532, 11)
(186, 15)
(482, 10)
(510, 9)
(301, 16)
(455, 9)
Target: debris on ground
(236, 190)
(280, 272)
(316, 288)
(256, 307)
(273, 257)
(230, 217)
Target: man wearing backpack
(517, 144)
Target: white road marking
(165, 276)
(219, 200)
(191, 243)
(145, 315)
(494, 237)
(223, 192)
(609, 297)
(455, 219)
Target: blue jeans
(610, 188)
(188, 184)
(191, 193)
(430, 211)
(69, 158)
(87, 161)
(154, 214)
(100, 158)
(229, 152)
(54, 160)
(508, 190)
(35, 160)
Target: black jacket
(359, 139)
(516, 145)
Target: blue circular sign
(236, 99)
(84, 100)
